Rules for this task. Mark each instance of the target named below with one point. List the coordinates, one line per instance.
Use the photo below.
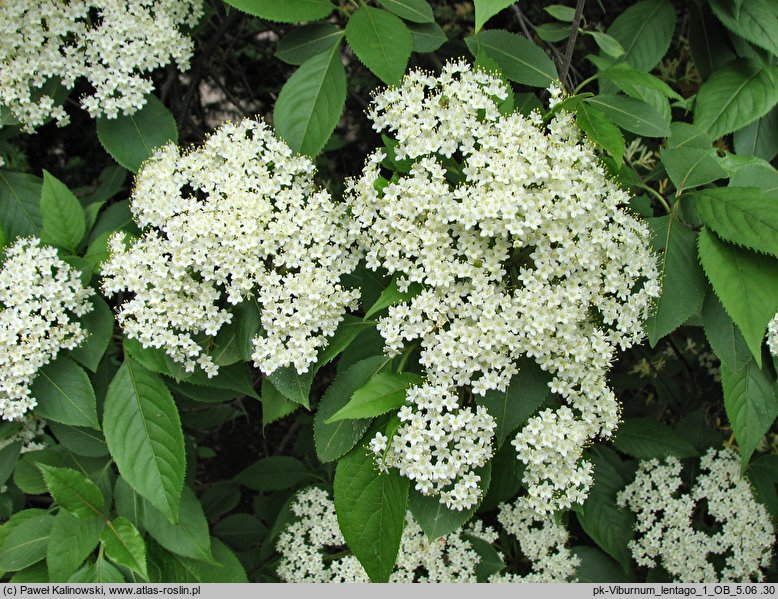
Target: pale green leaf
(381, 41)
(20, 213)
(64, 394)
(26, 542)
(631, 114)
(73, 491)
(691, 167)
(600, 130)
(486, 9)
(518, 58)
(385, 391)
(285, 11)
(71, 541)
(124, 545)
(426, 37)
(64, 223)
(416, 11)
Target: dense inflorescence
(236, 220)
(113, 44)
(516, 245)
(41, 298)
(668, 534)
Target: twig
(571, 42)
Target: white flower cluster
(772, 336)
(439, 444)
(238, 218)
(743, 532)
(40, 298)
(305, 543)
(542, 541)
(111, 43)
(27, 430)
(521, 248)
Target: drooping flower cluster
(439, 444)
(113, 44)
(237, 219)
(668, 534)
(41, 297)
(519, 246)
(542, 541)
(305, 542)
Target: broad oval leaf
(64, 394)
(347, 331)
(64, 223)
(285, 11)
(307, 41)
(124, 545)
(71, 541)
(735, 95)
(73, 491)
(310, 102)
(724, 337)
(385, 391)
(751, 405)
(99, 324)
(600, 130)
(381, 41)
(682, 279)
(131, 139)
(631, 114)
(645, 31)
(26, 542)
(335, 440)
(754, 20)
(416, 11)
(760, 138)
(371, 507)
(745, 282)
(691, 167)
(100, 571)
(274, 405)
(292, 385)
(143, 432)
(426, 37)
(744, 216)
(645, 438)
(518, 58)
(20, 213)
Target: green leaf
(763, 176)
(143, 432)
(335, 440)
(71, 541)
(99, 325)
(100, 571)
(486, 9)
(65, 394)
(597, 567)
(600, 130)
(310, 103)
(174, 568)
(371, 510)
(608, 525)
(131, 140)
(28, 477)
(226, 345)
(627, 78)
(490, 561)
(724, 337)
(760, 138)
(275, 473)
(518, 58)
(561, 13)
(64, 223)
(632, 115)
(763, 472)
(305, 42)
(20, 213)
(691, 167)
(381, 41)
(347, 331)
(248, 324)
(26, 542)
(609, 45)
(392, 295)
(241, 531)
(219, 499)
(73, 491)
(190, 537)
(426, 37)
(705, 36)
(741, 215)
(124, 545)
(525, 394)
(295, 387)
(751, 405)
(285, 11)
(755, 21)
(274, 405)
(416, 11)
(385, 391)
(687, 135)
(553, 32)
(645, 438)
(735, 95)
(434, 518)
(645, 31)
(682, 279)
(9, 456)
(745, 282)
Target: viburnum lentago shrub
(41, 299)
(309, 543)
(669, 535)
(113, 44)
(238, 219)
(513, 243)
